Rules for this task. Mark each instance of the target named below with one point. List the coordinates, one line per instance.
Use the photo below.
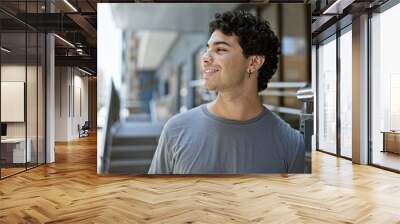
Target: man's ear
(256, 61)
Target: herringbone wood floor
(70, 191)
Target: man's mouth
(208, 72)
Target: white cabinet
(18, 149)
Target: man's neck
(236, 106)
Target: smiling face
(223, 63)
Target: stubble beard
(210, 86)
(221, 86)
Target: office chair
(84, 130)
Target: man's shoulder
(291, 143)
(282, 129)
(184, 119)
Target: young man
(235, 133)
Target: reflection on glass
(327, 96)
(345, 94)
(14, 150)
(385, 86)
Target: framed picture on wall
(12, 101)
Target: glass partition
(22, 87)
(14, 151)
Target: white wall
(12, 73)
(71, 87)
(61, 103)
(80, 94)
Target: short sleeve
(162, 162)
(297, 158)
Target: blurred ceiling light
(5, 50)
(65, 41)
(70, 5)
(80, 51)
(86, 72)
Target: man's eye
(220, 49)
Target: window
(346, 93)
(385, 88)
(327, 95)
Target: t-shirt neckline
(229, 121)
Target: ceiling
(157, 34)
(76, 24)
(176, 17)
(16, 42)
(153, 48)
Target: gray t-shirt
(199, 142)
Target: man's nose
(206, 58)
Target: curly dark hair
(255, 38)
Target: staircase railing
(306, 95)
(111, 117)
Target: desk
(391, 141)
(15, 148)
